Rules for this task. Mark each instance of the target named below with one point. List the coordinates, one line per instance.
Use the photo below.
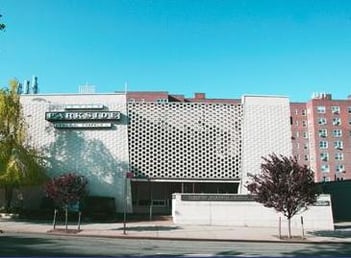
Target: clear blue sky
(225, 48)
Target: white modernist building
(169, 147)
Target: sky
(224, 48)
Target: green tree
(2, 25)
(284, 185)
(20, 164)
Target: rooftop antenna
(87, 89)
(26, 87)
(125, 87)
(34, 84)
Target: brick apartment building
(321, 130)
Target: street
(19, 244)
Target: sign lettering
(82, 116)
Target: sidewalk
(166, 229)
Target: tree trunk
(8, 197)
(289, 227)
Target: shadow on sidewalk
(149, 228)
(339, 233)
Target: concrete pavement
(166, 229)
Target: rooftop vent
(321, 95)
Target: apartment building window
(296, 111)
(338, 145)
(324, 156)
(336, 121)
(326, 179)
(305, 135)
(349, 109)
(303, 112)
(322, 121)
(321, 109)
(297, 134)
(325, 168)
(297, 123)
(304, 123)
(339, 156)
(306, 157)
(337, 133)
(305, 146)
(323, 144)
(323, 133)
(340, 168)
(335, 109)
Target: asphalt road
(12, 244)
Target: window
(324, 156)
(297, 123)
(336, 121)
(323, 144)
(337, 133)
(339, 156)
(335, 109)
(326, 179)
(325, 168)
(297, 134)
(340, 168)
(304, 123)
(305, 146)
(305, 135)
(349, 109)
(323, 132)
(322, 121)
(338, 145)
(306, 157)
(303, 112)
(321, 109)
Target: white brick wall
(99, 154)
(247, 214)
(265, 129)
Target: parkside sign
(82, 116)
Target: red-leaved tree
(284, 185)
(66, 189)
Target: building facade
(164, 143)
(321, 136)
(141, 147)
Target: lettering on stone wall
(82, 125)
(217, 197)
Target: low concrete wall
(242, 210)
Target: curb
(277, 241)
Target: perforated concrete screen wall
(185, 140)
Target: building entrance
(155, 197)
